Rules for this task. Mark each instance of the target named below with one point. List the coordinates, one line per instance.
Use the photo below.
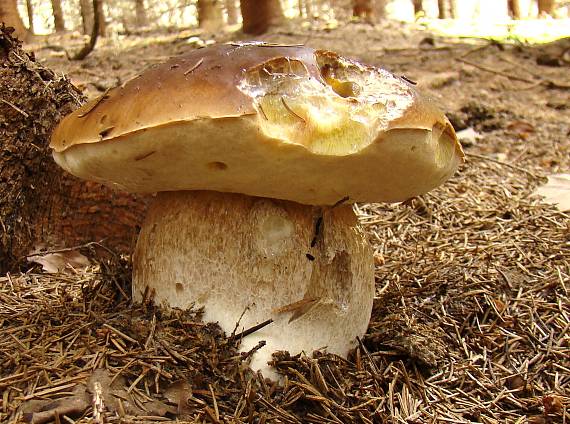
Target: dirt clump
(41, 206)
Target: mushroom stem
(307, 268)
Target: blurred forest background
(125, 17)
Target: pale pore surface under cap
(408, 163)
(234, 253)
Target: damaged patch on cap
(334, 108)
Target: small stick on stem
(251, 330)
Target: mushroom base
(309, 269)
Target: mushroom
(256, 152)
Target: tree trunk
(141, 19)
(102, 27)
(88, 48)
(259, 15)
(418, 7)
(453, 9)
(514, 9)
(275, 12)
(232, 11)
(442, 9)
(30, 10)
(10, 16)
(210, 15)
(363, 9)
(58, 20)
(40, 204)
(546, 7)
(380, 9)
(86, 15)
(301, 8)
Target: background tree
(442, 9)
(101, 22)
(546, 7)
(418, 7)
(447, 9)
(514, 8)
(453, 9)
(232, 11)
(30, 10)
(58, 20)
(381, 9)
(86, 10)
(259, 15)
(10, 16)
(88, 48)
(276, 11)
(210, 15)
(364, 9)
(140, 14)
(305, 8)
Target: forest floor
(471, 317)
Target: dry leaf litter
(470, 324)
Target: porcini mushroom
(256, 152)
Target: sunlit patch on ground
(526, 31)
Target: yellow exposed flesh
(337, 115)
(323, 124)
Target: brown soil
(471, 317)
(41, 206)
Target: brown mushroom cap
(285, 122)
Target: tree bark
(100, 15)
(259, 15)
(10, 16)
(140, 14)
(58, 20)
(453, 9)
(256, 15)
(442, 9)
(514, 8)
(275, 12)
(380, 9)
(546, 7)
(209, 14)
(30, 10)
(418, 7)
(88, 48)
(232, 11)
(305, 8)
(363, 9)
(86, 15)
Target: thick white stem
(307, 268)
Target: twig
(251, 330)
(476, 49)
(340, 202)
(98, 404)
(510, 165)
(67, 249)
(541, 81)
(194, 67)
(15, 107)
(494, 71)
